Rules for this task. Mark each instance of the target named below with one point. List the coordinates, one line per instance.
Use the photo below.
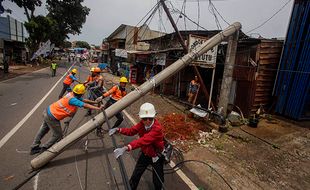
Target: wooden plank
(265, 89)
(263, 95)
(269, 61)
(264, 85)
(271, 44)
(277, 50)
(262, 100)
(271, 74)
(269, 80)
(269, 56)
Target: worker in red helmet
(151, 142)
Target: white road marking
(13, 104)
(181, 174)
(18, 126)
(22, 151)
(36, 182)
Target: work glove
(119, 151)
(99, 99)
(113, 131)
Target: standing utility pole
(202, 84)
(228, 72)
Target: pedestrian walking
(70, 78)
(53, 68)
(151, 142)
(193, 90)
(115, 93)
(63, 108)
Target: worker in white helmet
(151, 142)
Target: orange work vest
(90, 79)
(62, 109)
(115, 93)
(68, 80)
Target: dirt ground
(16, 70)
(275, 155)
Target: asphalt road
(88, 164)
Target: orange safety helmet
(97, 70)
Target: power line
(154, 9)
(270, 17)
(218, 12)
(185, 16)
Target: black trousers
(119, 115)
(53, 72)
(64, 89)
(157, 170)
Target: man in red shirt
(151, 142)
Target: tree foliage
(82, 44)
(28, 6)
(67, 44)
(64, 17)
(40, 29)
(71, 13)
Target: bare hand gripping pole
(82, 131)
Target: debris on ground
(205, 137)
(180, 127)
(234, 119)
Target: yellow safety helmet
(92, 69)
(74, 71)
(123, 79)
(79, 89)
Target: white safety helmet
(147, 110)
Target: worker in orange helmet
(63, 108)
(70, 78)
(115, 93)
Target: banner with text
(208, 59)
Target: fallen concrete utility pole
(82, 131)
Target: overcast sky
(106, 15)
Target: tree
(82, 44)
(71, 13)
(67, 44)
(28, 6)
(64, 17)
(40, 29)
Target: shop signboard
(206, 60)
(121, 53)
